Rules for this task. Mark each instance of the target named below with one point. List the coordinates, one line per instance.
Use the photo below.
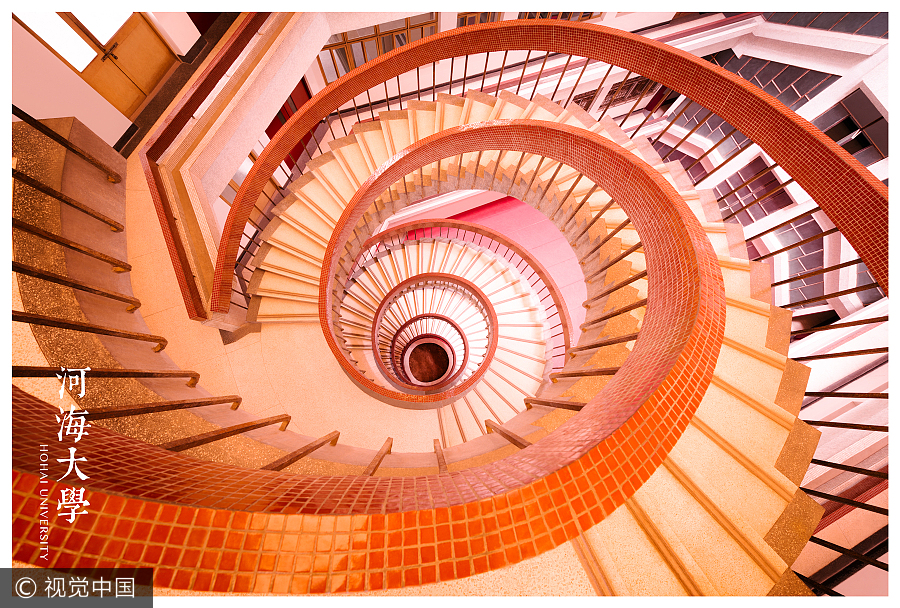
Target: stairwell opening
(428, 361)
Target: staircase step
(395, 129)
(279, 285)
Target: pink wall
(177, 30)
(45, 87)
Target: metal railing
(452, 299)
(558, 332)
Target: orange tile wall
(207, 526)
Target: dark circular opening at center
(428, 362)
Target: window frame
(347, 43)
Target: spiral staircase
(711, 508)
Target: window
(862, 24)
(563, 16)
(630, 90)
(473, 18)
(75, 37)
(349, 50)
(858, 127)
(791, 85)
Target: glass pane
(103, 24)
(861, 109)
(419, 19)
(878, 134)
(371, 49)
(361, 33)
(242, 171)
(327, 66)
(392, 25)
(281, 175)
(387, 44)
(400, 39)
(358, 58)
(63, 39)
(842, 129)
(415, 34)
(335, 38)
(429, 30)
(221, 209)
(228, 194)
(829, 118)
(484, 17)
(857, 143)
(340, 54)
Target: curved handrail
(434, 339)
(424, 398)
(565, 319)
(649, 403)
(822, 168)
(455, 327)
(163, 137)
(682, 268)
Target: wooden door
(130, 65)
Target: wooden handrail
(160, 406)
(117, 264)
(557, 403)
(615, 313)
(587, 303)
(160, 141)
(848, 353)
(35, 319)
(35, 371)
(603, 371)
(848, 425)
(493, 427)
(604, 267)
(608, 342)
(609, 235)
(133, 303)
(68, 200)
(439, 454)
(179, 445)
(379, 456)
(111, 175)
(309, 448)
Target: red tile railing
(836, 181)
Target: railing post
(306, 450)
(846, 501)
(493, 427)
(439, 454)
(379, 456)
